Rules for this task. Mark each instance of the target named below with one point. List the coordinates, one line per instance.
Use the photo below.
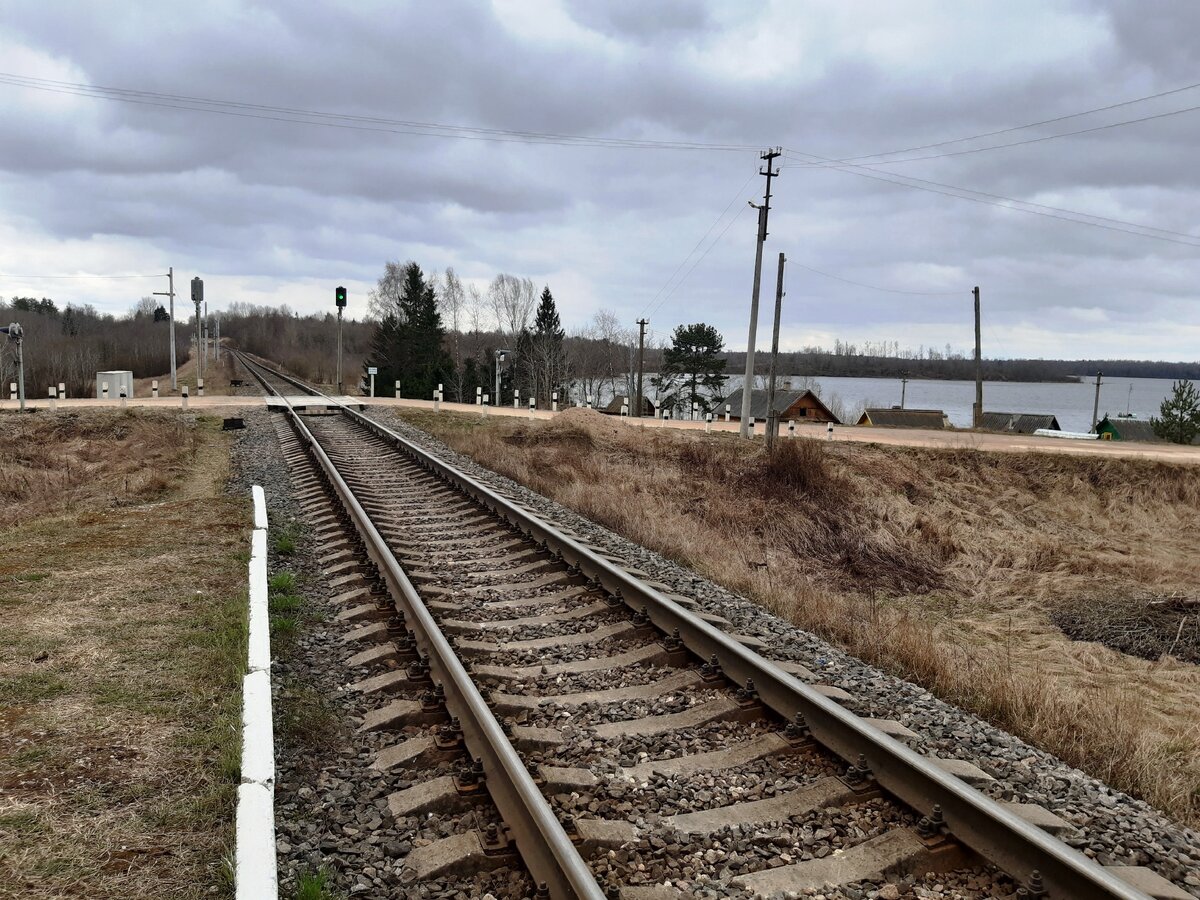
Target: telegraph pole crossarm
(763, 212)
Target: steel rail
(980, 823)
(541, 841)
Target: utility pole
(1096, 404)
(772, 416)
(763, 212)
(642, 323)
(207, 329)
(977, 421)
(170, 292)
(903, 387)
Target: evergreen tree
(1180, 414)
(407, 346)
(543, 352)
(691, 371)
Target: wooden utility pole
(903, 387)
(763, 212)
(978, 417)
(1096, 404)
(642, 323)
(772, 416)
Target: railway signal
(339, 299)
(15, 334)
(198, 299)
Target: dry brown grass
(121, 647)
(942, 566)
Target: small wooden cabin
(1019, 423)
(801, 406)
(894, 417)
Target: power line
(1050, 212)
(1037, 140)
(683, 261)
(700, 259)
(1010, 129)
(875, 287)
(294, 116)
(156, 275)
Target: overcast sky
(274, 212)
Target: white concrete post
(62, 391)
(553, 399)
(516, 399)
(104, 390)
(695, 410)
(726, 412)
(122, 396)
(829, 430)
(12, 390)
(791, 428)
(751, 427)
(183, 397)
(53, 400)
(199, 387)
(486, 398)
(154, 389)
(372, 384)
(589, 401)
(397, 389)
(532, 406)
(624, 410)
(436, 398)
(479, 396)
(708, 423)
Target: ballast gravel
(1111, 826)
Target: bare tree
(384, 298)
(512, 301)
(145, 307)
(452, 301)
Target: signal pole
(198, 299)
(978, 417)
(763, 212)
(339, 298)
(772, 416)
(170, 292)
(642, 323)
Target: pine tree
(691, 371)
(407, 346)
(543, 352)
(1180, 421)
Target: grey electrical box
(115, 381)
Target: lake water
(1071, 403)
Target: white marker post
(183, 397)
(486, 398)
(154, 389)
(479, 396)
(104, 390)
(589, 401)
(695, 410)
(397, 389)
(532, 406)
(122, 396)
(437, 396)
(829, 430)
(516, 399)
(791, 428)
(199, 388)
(751, 428)
(708, 423)
(53, 400)
(62, 391)
(553, 400)
(12, 390)
(726, 412)
(624, 409)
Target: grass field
(952, 568)
(122, 598)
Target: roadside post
(123, 397)
(53, 400)
(436, 399)
(372, 371)
(829, 430)
(554, 402)
(199, 387)
(708, 423)
(791, 428)
(182, 397)
(532, 406)
(486, 397)
(397, 388)
(479, 396)
(154, 389)
(727, 412)
(624, 409)
(750, 428)
(104, 390)
(62, 390)
(516, 399)
(12, 390)
(695, 410)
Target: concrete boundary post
(437, 400)
(154, 389)
(199, 387)
(12, 390)
(53, 400)
(256, 870)
(532, 406)
(183, 396)
(62, 391)
(791, 428)
(553, 402)
(708, 423)
(104, 390)
(727, 411)
(123, 398)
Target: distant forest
(824, 363)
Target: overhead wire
(1012, 128)
(700, 259)
(34, 277)
(875, 287)
(321, 118)
(651, 305)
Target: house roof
(1019, 423)
(615, 404)
(758, 403)
(1129, 429)
(903, 418)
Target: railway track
(625, 743)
